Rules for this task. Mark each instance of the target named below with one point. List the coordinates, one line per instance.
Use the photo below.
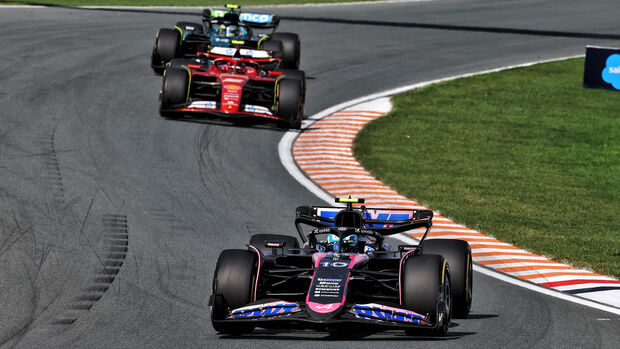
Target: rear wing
(252, 19)
(384, 221)
(259, 20)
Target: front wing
(212, 108)
(294, 314)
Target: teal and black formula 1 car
(224, 27)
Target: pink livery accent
(258, 306)
(316, 258)
(356, 260)
(257, 272)
(376, 306)
(324, 308)
(271, 309)
(384, 313)
(386, 214)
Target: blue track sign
(602, 69)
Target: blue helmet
(232, 30)
(349, 242)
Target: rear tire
(258, 241)
(291, 49)
(425, 289)
(174, 91)
(290, 102)
(458, 254)
(166, 45)
(275, 46)
(233, 287)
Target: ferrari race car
(344, 273)
(229, 82)
(220, 28)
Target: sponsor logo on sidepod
(234, 81)
(611, 73)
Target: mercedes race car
(233, 82)
(221, 27)
(344, 273)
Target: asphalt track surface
(111, 218)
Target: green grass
(205, 3)
(525, 155)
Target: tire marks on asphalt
(53, 178)
(116, 245)
(323, 151)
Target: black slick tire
(458, 254)
(233, 287)
(274, 46)
(290, 102)
(425, 289)
(174, 90)
(291, 49)
(297, 75)
(167, 44)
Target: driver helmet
(231, 30)
(224, 67)
(349, 241)
(221, 30)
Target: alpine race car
(344, 273)
(229, 82)
(221, 27)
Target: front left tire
(425, 289)
(458, 255)
(290, 102)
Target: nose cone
(232, 91)
(327, 293)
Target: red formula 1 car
(344, 274)
(233, 82)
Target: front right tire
(174, 91)
(233, 287)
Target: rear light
(275, 73)
(194, 66)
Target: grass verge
(204, 3)
(526, 155)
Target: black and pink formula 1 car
(233, 82)
(344, 273)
